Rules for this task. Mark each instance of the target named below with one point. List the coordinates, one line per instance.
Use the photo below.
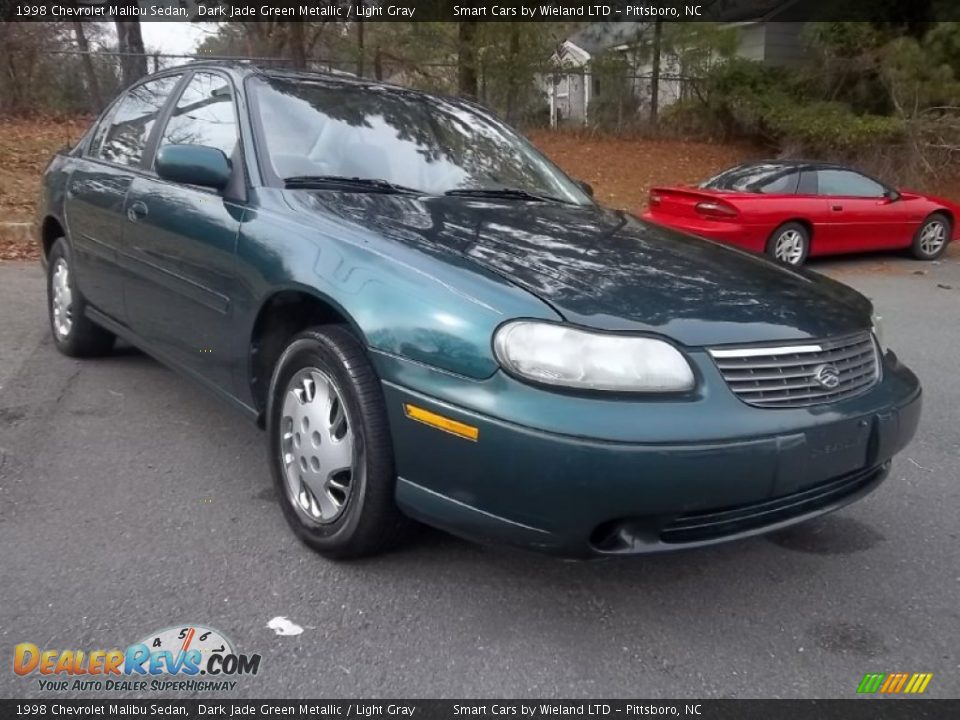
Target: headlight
(560, 355)
(877, 322)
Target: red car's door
(809, 204)
(859, 215)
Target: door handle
(836, 208)
(137, 211)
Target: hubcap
(318, 448)
(789, 247)
(932, 237)
(62, 299)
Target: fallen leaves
(26, 146)
(622, 170)
(18, 251)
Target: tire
(74, 333)
(308, 447)
(932, 237)
(789, 244)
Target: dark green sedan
(434, 323)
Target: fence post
(553, 103)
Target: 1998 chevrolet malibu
(431, 321)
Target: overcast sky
(174, 37)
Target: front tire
(329, 447)
(930, 240)
(74, 333)
(789, 244)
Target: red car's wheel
(930, 241)
(789, 244)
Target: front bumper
(662, 475)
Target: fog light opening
(623, 535)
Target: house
(767, 31)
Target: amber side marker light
(441, 423)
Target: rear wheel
(73, 332)
(930, 241)
(789, 244)
(330, 449)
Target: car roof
(245, 68)
(796, 165)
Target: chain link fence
(619, 102)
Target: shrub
(746, 99)
(830, 129)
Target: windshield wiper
(507, 193)
(342, 182)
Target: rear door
(97, 190)
(182, 239)
(861, 216)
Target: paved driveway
(130, 501)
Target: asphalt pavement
(131, 501)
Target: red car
(791, 210)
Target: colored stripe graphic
(871, 682)
(889, 682)
(922, 680)
(894, 683)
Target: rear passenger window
(97, 140)
(783, 185)
(131, 123)
(203, 115)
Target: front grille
(803, 374)
(713, 524)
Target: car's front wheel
(330, 451)
(73, 332)
(930, 241)
(789, 244)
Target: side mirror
(194, 165)
(586, 187)
(891, 195)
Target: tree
(33, 75)
(513, 66)
(298, 47)
(655, 71)
(133, 59)
(467, 59)
(299, 42)
(93, 82)
(360, 47)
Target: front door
(182, 241)
(860, 216)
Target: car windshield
(748, 178)
(326, 129)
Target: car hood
(608, 270)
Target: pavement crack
(68, 384)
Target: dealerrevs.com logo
(185, 658)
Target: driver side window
(847, 183)
(204, 115)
